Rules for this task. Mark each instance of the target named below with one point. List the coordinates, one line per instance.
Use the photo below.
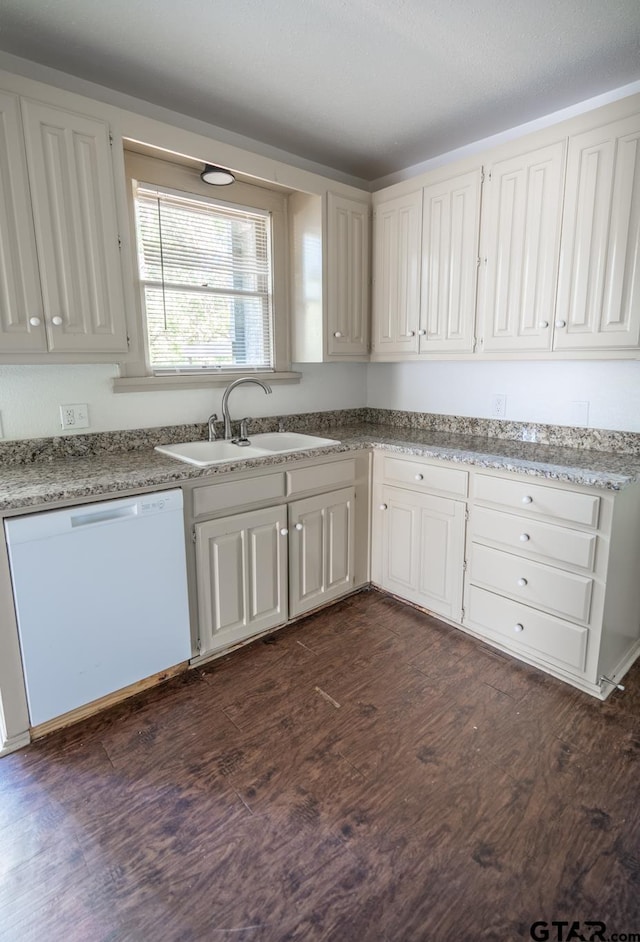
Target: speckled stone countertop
(41, 482)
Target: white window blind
(205, 270)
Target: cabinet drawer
(321, 476)
(538, 500)
(214, 497)
(534, 538)
(425, 477)
(525, 629)
(563, 593)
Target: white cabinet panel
(397, 227)
(450, 233)
(347, 277)
(321, 549)
(522, 207)
(20, 297)
(241, 566)
(71, 179)
(599, 286)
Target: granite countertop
(77, 478)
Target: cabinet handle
(56, 321)
(522, 583)
(298, 526)
(561, 323)
(527, 499)
(35, 321)
(422, 332)
(419, 477)
(544, 324)
(524, 537)
(518, 628)
(337, 333)
(383, 506)
(283, 531)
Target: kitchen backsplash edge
(30, 450)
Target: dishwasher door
(100, 593)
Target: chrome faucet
(225, 399)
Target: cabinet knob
(522, 583)
(56, 321)
(422, 332)
(561, 323)
(419, 477)
(337, 333)
(518, 628)
(544, 324)
(35, 321)
(527, 499)
(412, 333)
(524, 537)
(298, 526)
(383, 506)
(283, 531)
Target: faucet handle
(244, 427)
(213, 418)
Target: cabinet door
(423, 549)
(397, 227)
(321, 549)
(522, 207)
(20, 298)
(241, 564)
(72, 191)
(599, 285)
(347, 277)
(450, 234)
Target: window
(205, 269)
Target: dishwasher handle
(103, 516)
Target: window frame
(164, 174)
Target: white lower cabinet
(242, 575)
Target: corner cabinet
(59, 243)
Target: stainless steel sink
(203, 454)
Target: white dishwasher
(101, 598)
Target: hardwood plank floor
(367, 774)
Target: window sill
(129, 384)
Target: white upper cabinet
(21, 316)
(397, 225)
(72, 193)
(598, 303)
(347, 277)
(450, 233)
(522, 209)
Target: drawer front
(538, 500)
(528, 537)
(222, 496)
(525, 629)
(425, 477)
(563, 593)
(321, 476)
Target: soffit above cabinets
(366, 87)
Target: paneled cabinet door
(397, 225)
(320, 549)
(598, 303)
(241, 564)
(422, 539)
(347, 277)
(72, 191)
(21, 320)
(450, 234)
(522, 207)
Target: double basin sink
(203, 454)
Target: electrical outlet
(498, 405)
(74, 416)
(1, 431)
(579, 413)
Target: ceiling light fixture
(216, 176)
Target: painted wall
(30, 397)
(536, 392)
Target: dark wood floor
(366, 775)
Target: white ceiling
(363, 86)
